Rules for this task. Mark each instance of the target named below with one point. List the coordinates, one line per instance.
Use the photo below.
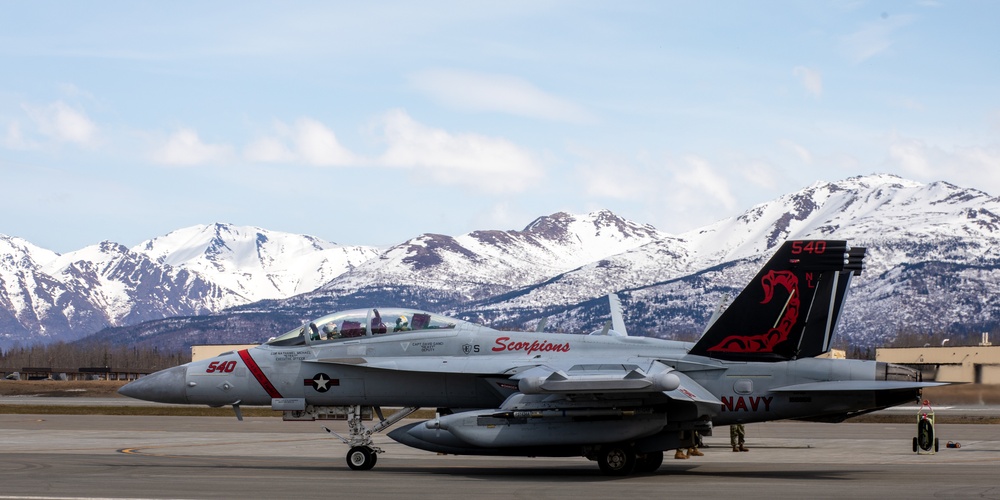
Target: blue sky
(373, 122)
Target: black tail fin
(791, 307)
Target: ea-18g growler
(609, 397)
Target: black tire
(914, 445)
(361, 458)
(935, 445)
(649, 462)
(616, 460)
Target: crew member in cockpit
(330, 331)
(402, 324)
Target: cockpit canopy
(362, 323)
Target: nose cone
(164, 386)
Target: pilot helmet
(330, 327)
(402, 319)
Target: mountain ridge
(559, 266)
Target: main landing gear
(363, 453)
(621, 460)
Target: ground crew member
(693, 451)
(736, 437)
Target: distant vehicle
(612, 398)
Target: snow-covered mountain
(483, 264)
(870, 209)
(45, 296)
(933, 265)
(255, 263)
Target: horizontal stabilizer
(689, 390)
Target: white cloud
(760, 174)
(488, 163)
(973, 166)
(873, 38)
(184, 147)
(700, 180)
(14, 138)
(62, 123)
(906, 103)
(318, 145)
(497, 93)
(72, 91)
(799, 150)
(680, 193)
(503, 215)
(912, 156)
(308, 141)
(616, 178)
(268, 150)
(811, 79)
(690, 181)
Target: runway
(66, 456)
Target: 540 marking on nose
(221, 367)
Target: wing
(598, 379)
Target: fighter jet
(617, 399)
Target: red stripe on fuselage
(258, 374)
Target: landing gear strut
(363, 453)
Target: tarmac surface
(77, 457)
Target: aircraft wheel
(650, 462)
(616, 460)
(935, 445)
(915, 445)
(361, 458)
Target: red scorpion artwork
(766, 342)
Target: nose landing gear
(363, 453)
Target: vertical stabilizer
(791, 307)
(617, 318)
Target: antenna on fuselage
(540, 327)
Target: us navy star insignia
(321, 382)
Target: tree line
(63, 356)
